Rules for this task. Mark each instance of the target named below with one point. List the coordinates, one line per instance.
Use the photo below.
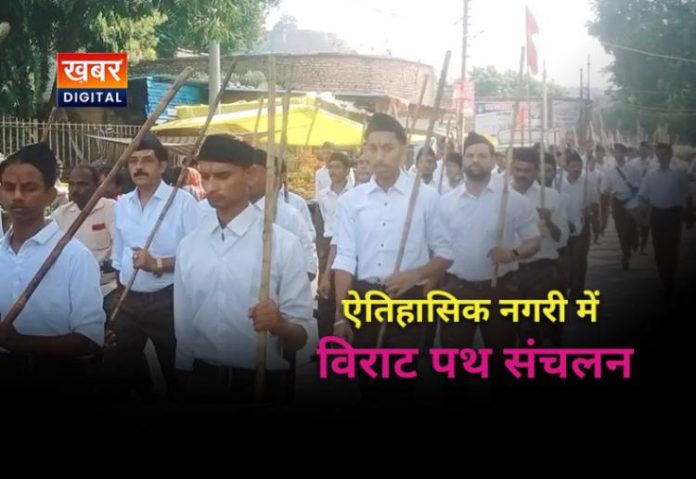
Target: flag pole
(542, 141)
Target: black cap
(384, 122)
(226, 149)
(474, 138)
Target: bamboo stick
(179, 182)
(417, 182)
(268, 215)
(254, 138)
(421, 95)
(284, 142)
(508, 166)
(445, 152)
(542, 141)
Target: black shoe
(643, 252)
(625, 264)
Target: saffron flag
(532, 29)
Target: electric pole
(465, 42)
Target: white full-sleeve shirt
(217, 281)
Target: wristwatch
(516, 253)
(160, 267)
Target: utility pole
(465, 41)
(465, 36)
(581, 120)
(589, 103)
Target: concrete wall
(332, 72)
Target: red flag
(532, 63)
(532, 27)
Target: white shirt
(96, 233)
(328, 200)
(413, 171)
(217, 280)
(552, 202)
(576, 193)
(643, 166)
(371, 225)
(567, 211)
(290, 219)
(205, 207)
(299, 203)
(322, 179)
(68, 299)
(665, 188)
(133, 225)
(447, 186)
(615, 185)
(473, 223)
(287, 218)
(675, 163)
(597, 177)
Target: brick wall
(332, 72)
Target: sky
(422, 30)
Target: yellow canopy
(308, 123)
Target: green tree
(41, 28)
(489, 82)
(193, 24)
(143, 28)
(648, 89)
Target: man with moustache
(96, 232)
(147, 312)
(471, 214)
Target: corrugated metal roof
(189, 94)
